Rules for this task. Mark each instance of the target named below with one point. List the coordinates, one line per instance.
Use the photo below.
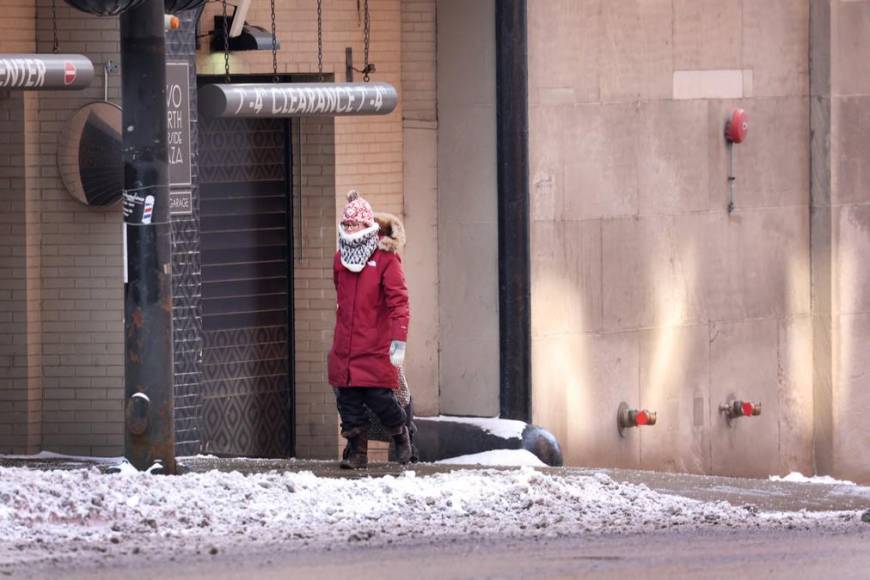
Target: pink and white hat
(357, 210)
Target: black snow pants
(352, 403)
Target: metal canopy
(297, 99)
(34, 72)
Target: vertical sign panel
(178, 128)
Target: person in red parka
(371, 329)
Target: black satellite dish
(89, 156)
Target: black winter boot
(402, 441)
(356, 454)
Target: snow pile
(504, 428)
(797, 477)
(502, 457)
(55, 512)
(76, 459)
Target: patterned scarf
(357, 248)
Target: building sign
(178, 123)
(180, 202)
(297, 99)
(45, 71)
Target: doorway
(246, 244)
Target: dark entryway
(246, 246)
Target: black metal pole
(514, 277)
(148, 372)
(291, 281)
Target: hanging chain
(320, 39)
(274, 46)
(366, 30)
(226, 43)
(54, 45)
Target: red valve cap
(642, 418)
(747, 408)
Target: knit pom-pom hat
(357, 210)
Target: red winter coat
(372, 312)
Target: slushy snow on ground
(502, 457)
(64, 513)
(797, 477)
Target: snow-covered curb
(499, 457)
(76, 459)
(503, 428)
(54, 511)
(797, 477)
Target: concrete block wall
(645, 289)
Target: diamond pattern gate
(246, 244)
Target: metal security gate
(246, 248)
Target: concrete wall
(467, 211)
(848, 103)
(645, 289)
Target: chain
(320, 39)
(274, 46)
(366, 30)
(226, 43)
(54, 45)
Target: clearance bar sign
(33, 72)
(297, 99)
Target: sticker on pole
(139, 205)
(148, 209)
(69, 73)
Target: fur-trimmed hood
(391, 231)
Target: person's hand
(397, 353)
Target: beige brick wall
(314, 294)
(81, 257)
(365, 153)
(33, 244)
(368, 149)
(419, 98)
(72, 270)
(20, 349)
(13, 273)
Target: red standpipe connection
(626, 417)
(736, 408)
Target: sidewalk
(764, 494)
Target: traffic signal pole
(148, 368)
